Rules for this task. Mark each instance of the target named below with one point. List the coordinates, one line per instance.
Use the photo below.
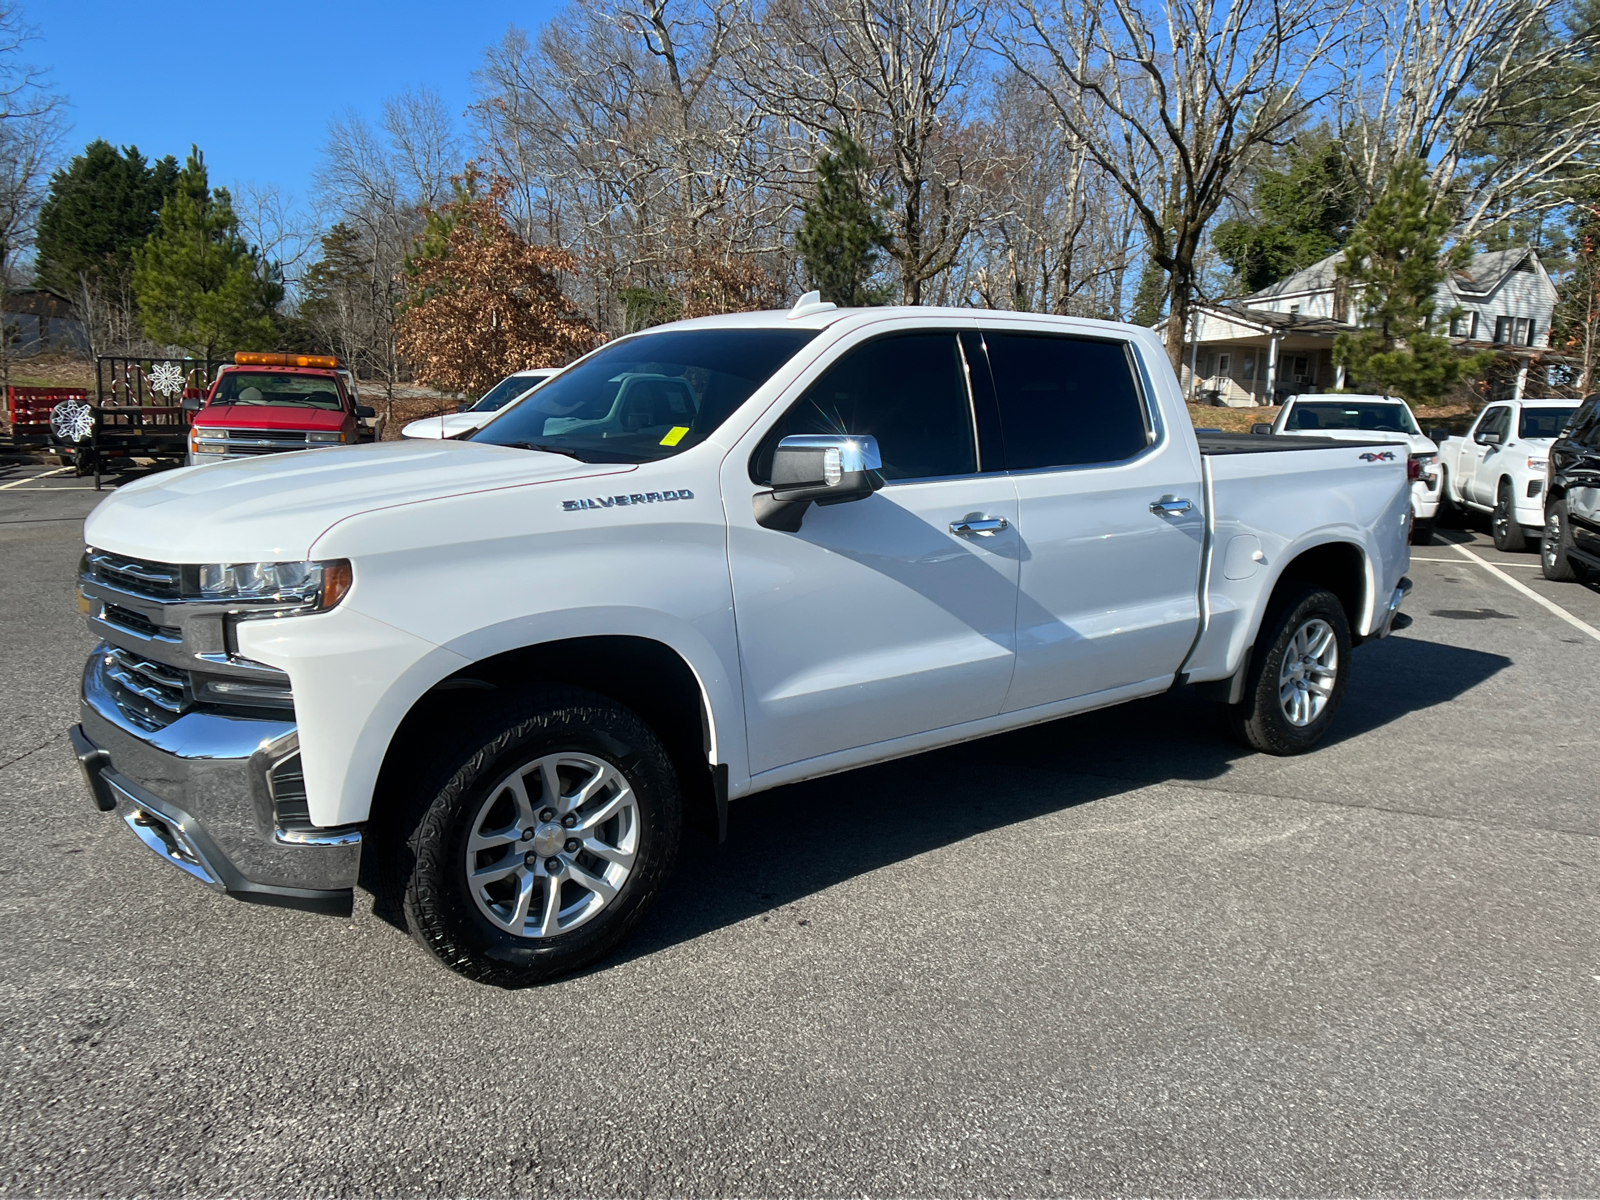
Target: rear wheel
(544, 845)
(1503, 522)
(1555, 546)
(1422, 532)
(1297, 675)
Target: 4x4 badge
(621, 501)
(1385, 456)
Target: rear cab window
(1066, 401)
(1369, 416)
(1543, 422)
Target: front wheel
(1297, 675)
(1422, 532)
(1555, 545)
(1507, 533)
(545, 844)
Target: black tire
(1555, 546)
(1260, 721)
(1446, 504)
(426, 860)
(1503, 522)
(1422, 532)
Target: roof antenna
(811, 302)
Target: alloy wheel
(552, 844)
(1306, 676)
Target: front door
(881, 617)
(1110, 515)
(1486, 458)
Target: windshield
(1371, 416)
(264, 387)
(1544, 422)
(504, 392)
(646, 397)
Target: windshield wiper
(548, 449)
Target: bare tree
(627, 142)
(1171, 97)
(379, 186)
(1473, 84)
(897, 76)
(31, 125)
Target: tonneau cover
(1269, 443)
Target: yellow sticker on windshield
(674, 435)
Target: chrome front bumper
(206, 792)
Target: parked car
(1569, 545)
(708, 559)
(1499, 467)
(267, 403)
(472, 415)
(1366, 418)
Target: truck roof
(818, 318)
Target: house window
(1524, 335)
(1300, 369)
(1248, 367)
(1459, 324)
(1473, 332)
(1502, 330)
(1223, 361)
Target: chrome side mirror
(821, 468)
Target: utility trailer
(137, 413)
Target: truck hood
(1415, 443)
(446, 426)
(272, 508)
(269, 416)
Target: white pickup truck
(504, 667)
(1367, 418)
(1499, 467)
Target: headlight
(302, 586)
(1537, 464)
(325, 437)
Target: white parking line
(31, 478)
(1524, 566)
(1531, 594)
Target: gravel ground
(1114, 954)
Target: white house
(1263, 347)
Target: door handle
(1170, 506)
(982, 526)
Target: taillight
(1413, 468)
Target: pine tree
(1304, 210)
(197, 283)
(1394, 263)
(101, 208)
(841, 230)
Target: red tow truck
(268, 402)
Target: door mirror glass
(366, 410)
(818, 468)
(1261, 427)
(1437, 435)
(193, 403)
(1491, 438)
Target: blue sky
(254, 84)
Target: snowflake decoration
(71, 422)
(166, 379)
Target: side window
(907, 390)
(1066, 401)
(1496, 420)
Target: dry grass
(1454, 417)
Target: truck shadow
(797, 840)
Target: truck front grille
(158, 581)
(262, 441)
(126, 618)
(148, 682)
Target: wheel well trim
(1292, 554)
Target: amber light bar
(277, 358)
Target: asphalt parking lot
(1114, 954)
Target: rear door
(1110, 511)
